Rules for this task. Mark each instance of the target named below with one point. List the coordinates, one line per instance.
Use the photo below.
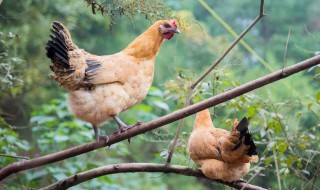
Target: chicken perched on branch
(222, 154)
(101, 87)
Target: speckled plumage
(222, 154)
(101, 87)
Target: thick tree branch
(141, 167)
(213, 101)
(214, 65)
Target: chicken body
(104, 101)
(222, 154)
(101, 87)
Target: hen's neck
(145, 46)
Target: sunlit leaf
(60, 138)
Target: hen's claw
(123, 127)
(240, 181)
(98, 136)
(103, 138)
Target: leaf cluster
(152, 9)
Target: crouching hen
(101, 87)
(222, 154)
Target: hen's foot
(103, 138)
(97, 135)
(240, 181)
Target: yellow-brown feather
(213, 149)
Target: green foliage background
(35, 120)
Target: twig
(286, 48)
(284, 131)
(315, 176)
(175, 140)
(275, 161)
(214, 65)
(12, 156)
(254, 22)
(213, 101)
(251, 178)
(140, 167)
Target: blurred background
(285, 116)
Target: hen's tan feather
(222, 154)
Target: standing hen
(101, 87)
(222, 154)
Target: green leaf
(4, 124)
(298, 115)
(262, 132)
(164, 153)
(161, 105)
(271, 145)
(59, 176)
(251, 111)
(318, 97)
(42, 119)
(142, 107)
(60, 138)
(282, 147)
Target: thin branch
(286, 48)
(315, 177)
(275, 161)
(12, 156)
(292, 149)
(214, 65)
(140, 167)
(213, 101)
(175, 140)
(251, 178)
(254, 22)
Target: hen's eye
(167, 25)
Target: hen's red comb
(173, 22)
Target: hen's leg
(122, 126)
(98, 136)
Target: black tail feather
(57, 26)
(56, 47)
(248, 140)
(58, 37)
(242, 127)
(59, 42)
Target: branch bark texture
(141, 167)
(213, 101)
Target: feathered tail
(58, 50)
(59, 45)
(245, 140)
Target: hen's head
(168, 28)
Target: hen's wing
(74, 68)
(109, 69)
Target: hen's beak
(175, 30)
